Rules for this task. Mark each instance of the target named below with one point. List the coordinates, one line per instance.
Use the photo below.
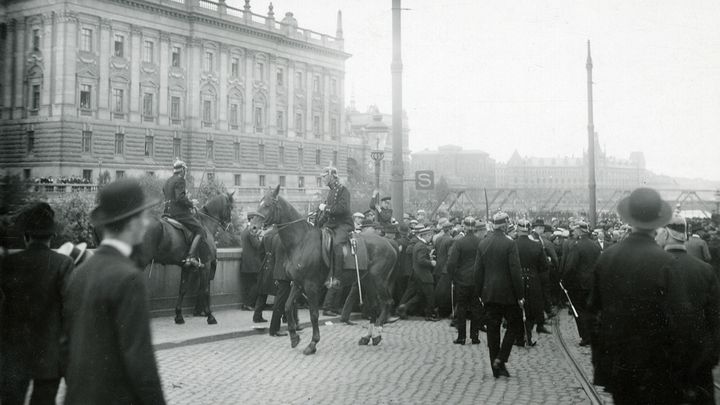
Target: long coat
(498, 270)
(177, 204)
(252, 252)
(422, 268)
(266, 282)
(533, 262)
(33, 281)
(442, 249)
(337, 208)
(461, 264)
(403, 267)
(630, 290)
(111, 357)
(579, 264)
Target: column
(57, 56)
(19, 76)
(222, 102)
(163, 93)
(69, 88)
(135, 62)
(341, 107)
(46, 49)
(325, 83)
(308, 103)
(8, 71)
(291, 100)
(104, 65)
(249, 117)
(192, 112)
(272, 97)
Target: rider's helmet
(178, 166)
(330, 170)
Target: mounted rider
(179, 207)
(335, 215)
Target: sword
(353, 248)
(452, 298)
(525, 331)
(569, 300)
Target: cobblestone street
(416, 363)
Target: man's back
(698, 248)
(498, 279)
(461, 264)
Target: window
(236, 150)
(298, 80)
(86, 145)
(238, 180)
(317, 156)
(333, 128)
(207, 111)
(35, 100)
(119, 45)
(118, 100)
(281, 122)
(299, 123)
(261, 180)
(235, 67)
(119, 144)
(177, 147)
(334, 159)
(258, 119)
(316, 84)
(259, 71)
(281, 181)
(301, 156)
(301, 181)
(149, 145)
(333, 86)
(85, 98)
(150, 173)
(233, 116)
(148, 104)
(280, 77)
(119, 174)
(86, 40)
(211, 176)
(36, 39)
(318, 182)
(27, 174)
(175, 107)
(261, 154)
(281, 155)
(316, 126)
(210, 149)
(30, 141)
(208, 62)
(87, 175)
(175, 56)
(148, 52)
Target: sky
(504, 76)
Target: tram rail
(587, 385)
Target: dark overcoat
(442, 250)
(177, 203)
(498, 270)
(579, 264)
(33, 281)
(266, 282)
(422, 268)
(111, 357)
(403, 267)
(632, 343)
(461, 263)
(533, 262)
(252, 252)
(337, 208)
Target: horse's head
(268, 210)
(220, 208)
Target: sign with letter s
(424, 180)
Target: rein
(283, 225)
(219, 222)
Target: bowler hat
(119, 200)
(39, 220)
(538, 222)
(645, 209)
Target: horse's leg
(206, 297)
(181, 294)
(379, 305)
(312, 291)
(290, 315)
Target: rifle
(569, 300)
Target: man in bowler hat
(32, 324)
(111, 357)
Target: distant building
(461, 168)
(127, 86)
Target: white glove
(322, 206)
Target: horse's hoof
(179, 320)
(364, 340)
(310, 349)
(211, 320)
(376, 340)
(294, 341)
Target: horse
(166, 244)
(308, 271)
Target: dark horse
(167, 245)
(308, 271)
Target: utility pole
(396, 68)
(592, 214)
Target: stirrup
(193, 262)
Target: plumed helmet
(330, 170)
(178, 166)
(501, 218)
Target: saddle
(177, 225)
(348, 257)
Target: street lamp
(377, 131)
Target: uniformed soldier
(335, 215)
(421, 281)
(461, 270)
(533, 263)
(178, 205)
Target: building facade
(460, 168)
(128, 86)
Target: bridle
(273, 215)
(223, 225)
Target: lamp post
(377, 131)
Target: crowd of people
(61, 180)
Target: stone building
(460, 168)
(127, 86)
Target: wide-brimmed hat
(645, 209)
(538, 222)
(38, 219)
(119, 200)
(386, 198)
(77, 252)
